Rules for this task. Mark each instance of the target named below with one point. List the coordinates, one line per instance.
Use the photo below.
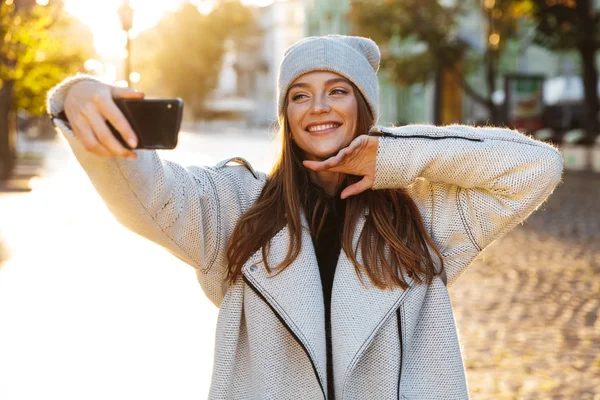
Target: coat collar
(358, 309)
(295, 294)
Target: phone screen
(156, 122)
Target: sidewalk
(89, 310)
(30, 166)
(528, 308)
(31, 154)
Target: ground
(528, 308)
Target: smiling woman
(393, 214)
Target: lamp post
(126, 17)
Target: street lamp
(126, 17)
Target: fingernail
(132, 142)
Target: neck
(329, 181)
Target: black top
(327, 248)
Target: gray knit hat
(353, 57)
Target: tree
(68, 43)
(567, 25)
(32, 60)
(182, 55)
(420, 38)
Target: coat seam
(240, 161)
(403, 329)
(165, 205)
(401, 352)
(213, 257)
(463, 218)
(183, 189)
(432, 135)
(403, 311)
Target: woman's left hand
(356, 159)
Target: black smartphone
(156, 122)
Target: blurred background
(89, 310)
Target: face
(322, 113)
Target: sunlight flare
(103, 19)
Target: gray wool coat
(472, 185)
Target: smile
(324, 127)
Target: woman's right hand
(88, 105)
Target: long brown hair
(393, 242)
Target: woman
(393, 213)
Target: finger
(339, 162)
(88, 139)
(315, 165)
(321, 165)
(104, 135)
(340, 156)
(331, 162)
(111, 112)
(356, 143)
(126, 93)
(365, 183)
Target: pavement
(528, 308)
(29, 164)
(90, 310)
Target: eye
(339, 91)
(298, 96)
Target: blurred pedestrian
(393, 213)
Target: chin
(322, 149)
(323, 153)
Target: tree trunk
(587, 51)
(590, 84)
(437, 96)
(8, 131)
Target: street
(89, 310)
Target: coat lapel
(295, 294)
(357, 312)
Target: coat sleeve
(191, 211)
(471, 185)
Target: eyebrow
(328, 82)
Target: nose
(320, 105)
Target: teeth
(315, 128)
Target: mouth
(323, 127)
